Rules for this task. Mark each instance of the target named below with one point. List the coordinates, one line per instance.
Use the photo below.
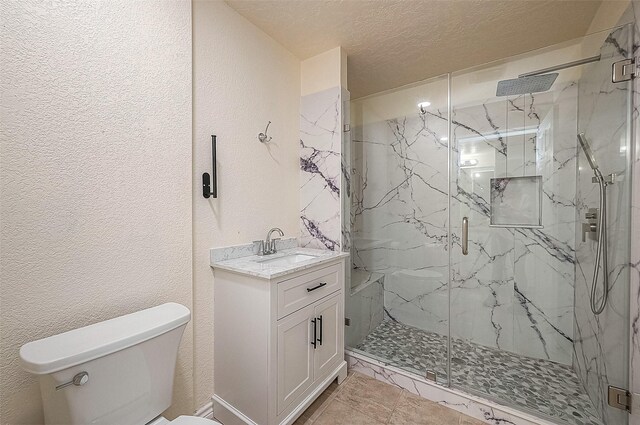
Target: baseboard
(228, 414)
(205, 411)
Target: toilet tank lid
(81, 345)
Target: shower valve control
(590, 228)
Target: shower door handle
(465, 236)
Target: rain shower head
(587, 151)
(526, 85)
(539, 80)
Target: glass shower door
(398, 298)
(522, 332)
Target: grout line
(346, 380)
(366, 412)
(326, 402)
(395, 406)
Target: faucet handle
(273, 245)
(260, 245)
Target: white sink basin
(287, 260)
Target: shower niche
(516, 202)
(509, 322)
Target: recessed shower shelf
(516, 202)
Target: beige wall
(323, 71)
(241, 80)
(96, 169)
(609, 15)
(95, 175)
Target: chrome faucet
(268, 246)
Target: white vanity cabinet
(279, 342)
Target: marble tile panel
(245, 250)
(364, 307)
(260, 266)
(321, 169)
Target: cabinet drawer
(293, 294)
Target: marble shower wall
(364, 306)
(514, 290)
(600, 355)
(321, 116)
(399, 215)
(345, 169)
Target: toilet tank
(130, 362)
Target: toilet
(119, 371)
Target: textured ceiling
(393, 43)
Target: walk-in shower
(478, 157)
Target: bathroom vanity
(279, 332)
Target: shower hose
(597, 306)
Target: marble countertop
(253, 265)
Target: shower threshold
(541, 387)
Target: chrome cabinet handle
(465, 236)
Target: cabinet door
(330, 340)
(295, 355)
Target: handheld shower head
(587, 151)
(598, 306)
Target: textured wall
(320, 72)
(242, 80)
(95, 177)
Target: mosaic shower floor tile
(534, 385)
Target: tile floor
(534, 385)
(362, 400)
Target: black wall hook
(210, 183)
